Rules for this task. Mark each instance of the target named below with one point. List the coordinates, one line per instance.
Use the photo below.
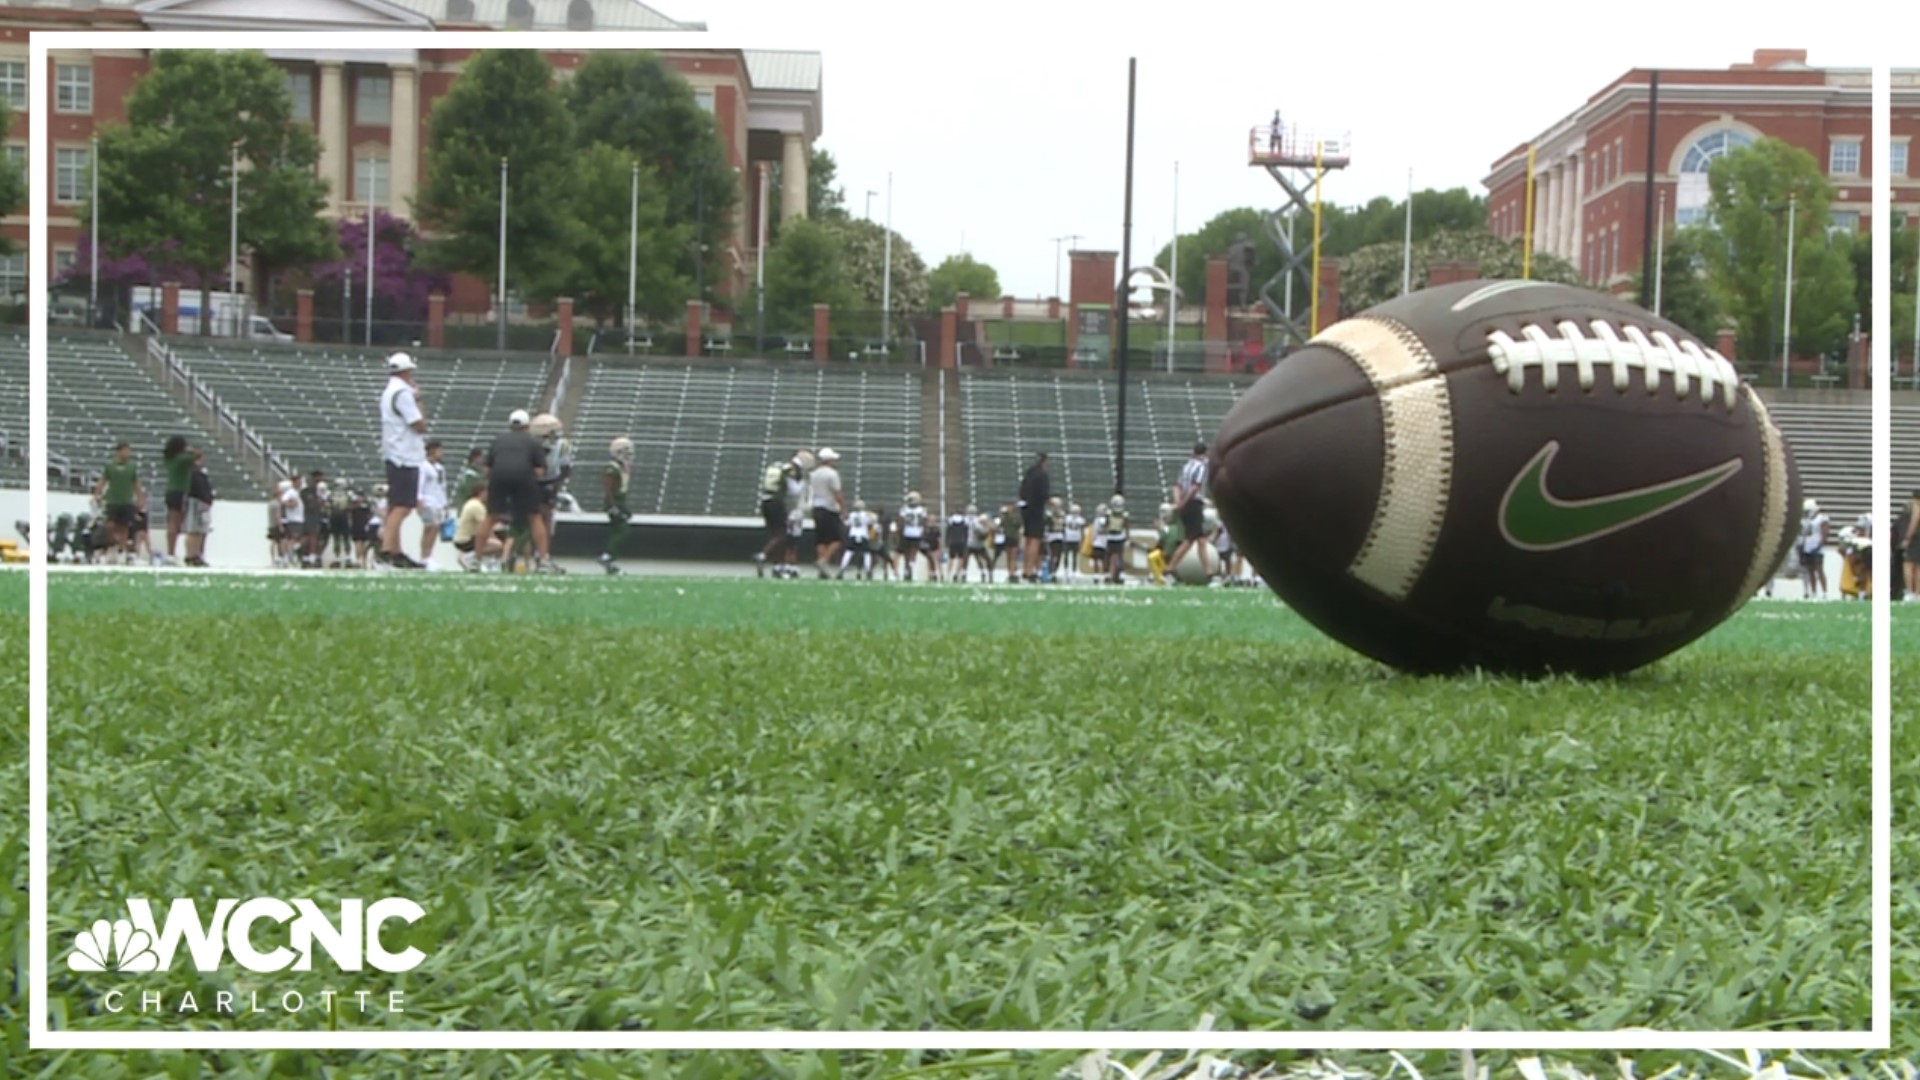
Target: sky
(1004, 124)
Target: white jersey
(399, 411)
(433, 487)
(1863, 525)
(1076, 525)
(978, 529)
(913, 522)
(860, 526)
(1810, 526)
(796, 486)
(291, 510)
(824, 485)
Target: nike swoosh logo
(1532, 519)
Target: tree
(1685, 294)
(503, 106)
(1372, 275)
(807, 267)
(601, 199)
(13, 189)
(635, 103)
(1749, 190)
(401, 285)
(1906, 265)
(165, 173)
(863, 246)
(962, 274)
(1343, 231)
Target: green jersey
(469, 480)
(179, 472)
(121, 476)
(1010, 525)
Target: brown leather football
(1515, 476)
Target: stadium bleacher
(98, 396)
(1905, 451)
(318, 407)
(703, 433)
(14, 421)
(1833, 449)
(1006, 418)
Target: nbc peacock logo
(113, 946)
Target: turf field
(726, 803)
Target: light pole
(1173, 270)
(886, 276)
(500, 332)
(1916, 305)
(373, 237)
(633, 250)
(1406, 246)
(1660, 252)
(93, 275)
(1056, 261)
(1786, 343)
(870, 194)
(233, 234)
(760, 273)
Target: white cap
(1810, 507)
(518, 418)
(827, 454)
(399, 362)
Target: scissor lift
(1292, 156)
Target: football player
(1114, 530)
(1076, 529)
(613, 485)
(1056, 538)
(959, 532)
(859, 541)
(546, 428)
(913, 534)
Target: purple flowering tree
(401, 287)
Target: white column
(404, 151)
(793, 177)
(1563, 237)
(1576, 164)
(332, 130)
(1542, 209)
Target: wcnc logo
(352, 941)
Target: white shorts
(199, 517)
(432, 516)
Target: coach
(516, 462)
(1035, 489)
(402, 443)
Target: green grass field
(670, 804)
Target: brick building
(370, 107)
(1590, 167)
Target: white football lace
(1653, 356)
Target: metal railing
(247, 444)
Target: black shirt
(1037, 488)
(515, 454)
(200, 486)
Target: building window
(1847, 221)
(1690, 189)
(374, 100)
(580, 15)
(1843, 157)
(460, 11)
(70, 174)
(63, 260)
(704, 98)
(370, 179)
(73, 88)
(1897, 159)
(520, 14)
(1619, 156)
(300, 90)
(1613, 253)
(13, 274)
(17, 155)
(13, 78)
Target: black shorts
(1193, 519)
(513, 497)
(120, 514)
(1913, 550)
(1811, 559)
(827, 526)
(339, 525)
(177, 500)
(463, 545)
(1033, 520)
(403, 486)
(773, 512)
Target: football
(1192, 570)
(1514, 476)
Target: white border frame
(42, 1038)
